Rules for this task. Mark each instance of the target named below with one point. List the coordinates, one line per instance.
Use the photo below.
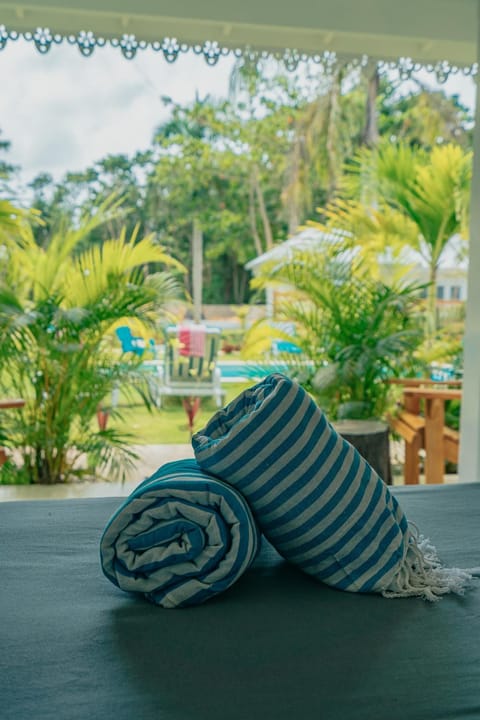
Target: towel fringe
(421, 573)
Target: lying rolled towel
(316, 499)
(180, 538)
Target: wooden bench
(451, 444)
(426, 431)
(411, 428)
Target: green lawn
(167, 425)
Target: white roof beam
(426, 30)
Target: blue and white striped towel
(316, 499)
(180, 538)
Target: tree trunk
(197, 270)
(267, 228)
(432, 305)
(291, 192)
(253, 220)
(370, 134)
(371, 439)
(239, 286)
(332, 133)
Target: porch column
(469, 466)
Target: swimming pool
(237, 371)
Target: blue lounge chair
(132, 343)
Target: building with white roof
(451, 275)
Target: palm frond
(352, 328)
(93, 274)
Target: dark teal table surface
(276, 646)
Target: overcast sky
(62, 112)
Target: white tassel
(421, 574)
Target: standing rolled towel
(316, 499)
(180, 538)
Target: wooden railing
(421, 423)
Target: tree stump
(371, 439)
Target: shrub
(354, 331)
(57, 307)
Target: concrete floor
(151, 457)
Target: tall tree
(220, 170)
(254, 168)
(422, 117)
(370, 134)
(422, 202)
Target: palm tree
(430, 191)
(354, 331)
(15, 221)
(58, 305)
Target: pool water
(239, 371)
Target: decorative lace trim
(129, 45)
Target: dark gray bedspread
(276, 646)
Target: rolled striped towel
(316, 499)
(180, 538)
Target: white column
(469, 468)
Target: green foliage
(445, 347)
(6, 169)
(399, 196)
(58, 305)
(354, 330)
(250, 169)
(60, 204)
(15, 222)
(207, 169)
(423, 119)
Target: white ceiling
(426, 30)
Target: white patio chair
(185, 375)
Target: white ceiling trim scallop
(440, 35)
